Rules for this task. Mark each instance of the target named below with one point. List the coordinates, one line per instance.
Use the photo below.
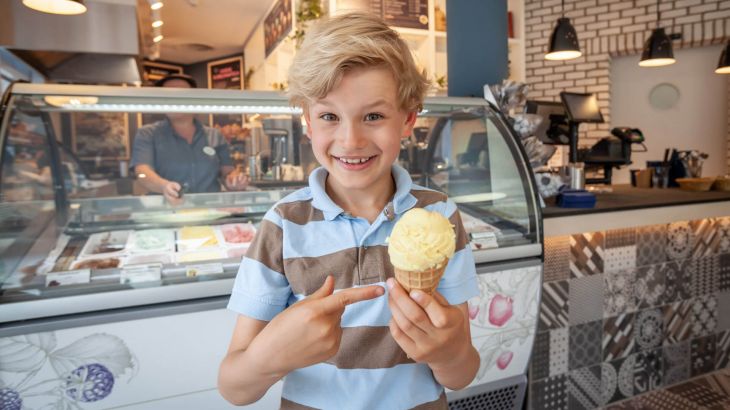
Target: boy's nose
(351, 136)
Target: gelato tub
(238, 233)
(96, 263)
(145, 258)
(106, 243)
(196, 237)
(153, 240)
(200, 255)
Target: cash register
(560, 126)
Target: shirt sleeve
(143, 148)
(459, 283)
(261, 290)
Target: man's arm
(151, 181)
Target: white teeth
(354, 160)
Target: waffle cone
(426, 281)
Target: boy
(310, 292)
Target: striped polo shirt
(305, 237)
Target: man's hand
(432, 331)
(309, 331)
(171, 191)
(236, 180)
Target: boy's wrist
(466, 352)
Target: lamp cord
(658, 16)
(562, 8)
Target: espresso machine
(280, 145)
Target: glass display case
(84, 239)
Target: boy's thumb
(327, 288)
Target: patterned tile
(721, 242)
(651, 245)
(584, 292)
(618, 293)
(722, 350)
(680, 241)
(677, 321)
(677, 280)
(702, 353)
(703, 231)
(584, 388)
(704, 316)
(704, 273)
(586, 254)
(549, 393)
(697, 394)
(649, 288)
(665, 400)
(616, 259)
(648, 371)
(723, 306)
(723, 273)
(617, 379)
(718, 382)
(618, 238)
(557, 258)
(554, 305)
(540, 361)
(618, 336)
(585, 344)
(676, 363)
(649, 329)
(558, 351)
(624, 405)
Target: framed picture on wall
(227, 74)
(277, 25)
(411, 14)
(100, 135)
(153, 71)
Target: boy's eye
(328, 117)
(373, 116)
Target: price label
(484, 240)
(203, 269)
(141, 273)
(72, 277)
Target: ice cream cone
(426, 281)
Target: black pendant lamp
(563, 41)
(658, 48)
(65, 7)
(723, 67)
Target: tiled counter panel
(627, 311)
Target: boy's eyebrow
(375, 103)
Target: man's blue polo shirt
(173, 158)
(304, 238)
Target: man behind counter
(179, 154)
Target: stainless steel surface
(504, 254)
(577, 176)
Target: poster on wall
(227, 74)
(100, 135)
(277, 25)
(406, 13)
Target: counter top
(627, 207)
(626, 197)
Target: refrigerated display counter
(104, 281)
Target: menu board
(226, 74)
(406, 13)
(152, 72)
(277, 25)
(399, 13)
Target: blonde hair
(353, 40)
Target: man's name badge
(209, 151)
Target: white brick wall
(608, 28)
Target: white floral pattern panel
(504, 320)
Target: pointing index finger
(339, 300)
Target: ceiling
(201, 30)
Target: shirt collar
(198, 128)
(402, 200)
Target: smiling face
(356, 131)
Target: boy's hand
(309, 331)
(427, 327)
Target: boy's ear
(410, 123)
(309, 124)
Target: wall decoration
(100, 135)
(277, 25)
(227, 74)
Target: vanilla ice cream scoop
(421, 240)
